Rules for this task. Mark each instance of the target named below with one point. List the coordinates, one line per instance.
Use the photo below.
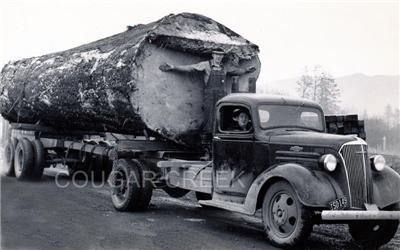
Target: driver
(242, 120)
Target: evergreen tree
(397, 117)
(320, 87)
(388, 115)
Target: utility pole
(384, 143)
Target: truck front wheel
(286, 221)
(372, 234)
(129, 192)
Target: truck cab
(272, 153)
(274, 125)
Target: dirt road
(43, 216)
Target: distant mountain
(359, 92)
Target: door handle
(217, 138)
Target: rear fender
(313, 188)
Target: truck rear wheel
(130, 191)
(23, 160)
(286, 221)
(9, 153)
(373, 234)
(146, 183)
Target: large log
(115, 84)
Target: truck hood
(310, 138)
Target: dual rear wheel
(24, 159)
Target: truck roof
(254, 99)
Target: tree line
(383, 132)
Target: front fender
(386, 187)
(313, 188)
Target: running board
(231, 206)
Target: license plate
(339, 204)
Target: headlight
(329, 162)
(378, 162)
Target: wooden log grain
(114, 84)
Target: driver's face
(217, 58)
(243, 119)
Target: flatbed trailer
(94, 154)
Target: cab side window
(235, 119)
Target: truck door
(233, 150)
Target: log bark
(115, 85)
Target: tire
(24, 160)
(203, 196)
(175, 192)
(9, 153)
(147, 184)
(373, 234)
(287, 222)
(39, 159)
(129, 191)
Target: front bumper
(351, 215)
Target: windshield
(273, 116)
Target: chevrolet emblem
(296, 148)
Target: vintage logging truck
(284, 163)
(146, 124)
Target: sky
(344, 37)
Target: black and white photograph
(214, 124)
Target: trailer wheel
(23, 160)
(129, 191)
(9, 152)
(286, 221)
(39, 159)
(373, 234)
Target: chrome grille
(356, 161)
